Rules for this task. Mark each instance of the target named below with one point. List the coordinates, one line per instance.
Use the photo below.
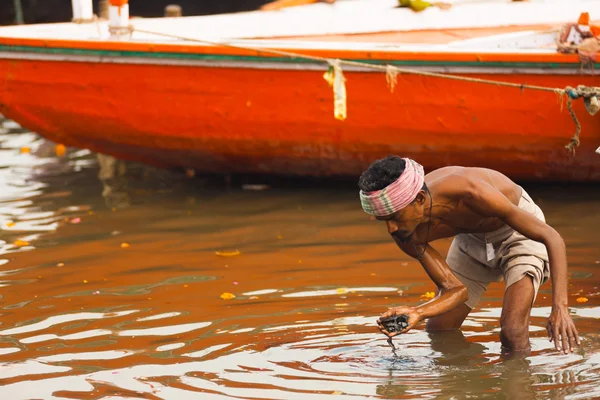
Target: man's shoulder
(454, 180)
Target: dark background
(39, 11)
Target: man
(499, 234)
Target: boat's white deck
(347, 17)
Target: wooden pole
(19, 13)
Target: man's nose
(392, 226)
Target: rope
(392, 71)
(575, 139)
(379, 67)
(587, 93)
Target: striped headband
(397, 194)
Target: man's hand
(562, 330)
(414, 316)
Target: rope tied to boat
(335, 78)
(391, 77)
(591, 95)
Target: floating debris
(428, 295)
(228, 253)
(255, 187)
(582, 300)
(20, 243)
(25, 150)
(227, 296)
(124, 245)
(60, 150)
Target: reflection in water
(112, 175)
(112, 274)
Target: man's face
(403, 223)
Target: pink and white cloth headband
(397, 194)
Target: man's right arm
(451, 291)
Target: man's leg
(514, 322)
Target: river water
(120, 281)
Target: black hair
(381, 173)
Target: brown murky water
(111, 289)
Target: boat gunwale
(166, 50)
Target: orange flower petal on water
(60, 150)
(228, 253)
(428, 295)
(10, 224)
(581, 299)
(124, 245)
(228, 296)
(25, 150)
(20, 243)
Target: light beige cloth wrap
(514, 257)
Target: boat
(245, 92)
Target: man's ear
(421, 197)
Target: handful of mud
(396, 323)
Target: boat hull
(280, 121)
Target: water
(111, 288)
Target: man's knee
(451, 320)
(515, 337)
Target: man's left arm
(487, 200)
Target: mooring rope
(392, 71)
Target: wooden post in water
(19, 13)
(118, 18)
(83, 10)
(173, 10)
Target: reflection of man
(279, 4)
(499, 234)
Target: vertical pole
(19, 13)
(103, 9)
(173, 10)
(118, 18)
(82, 10)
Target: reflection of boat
(171, 102)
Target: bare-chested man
(500, 233)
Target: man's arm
(452, 291)
(488, 201)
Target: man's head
(393, 190)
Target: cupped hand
(414, 316)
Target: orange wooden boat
(159, 99)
